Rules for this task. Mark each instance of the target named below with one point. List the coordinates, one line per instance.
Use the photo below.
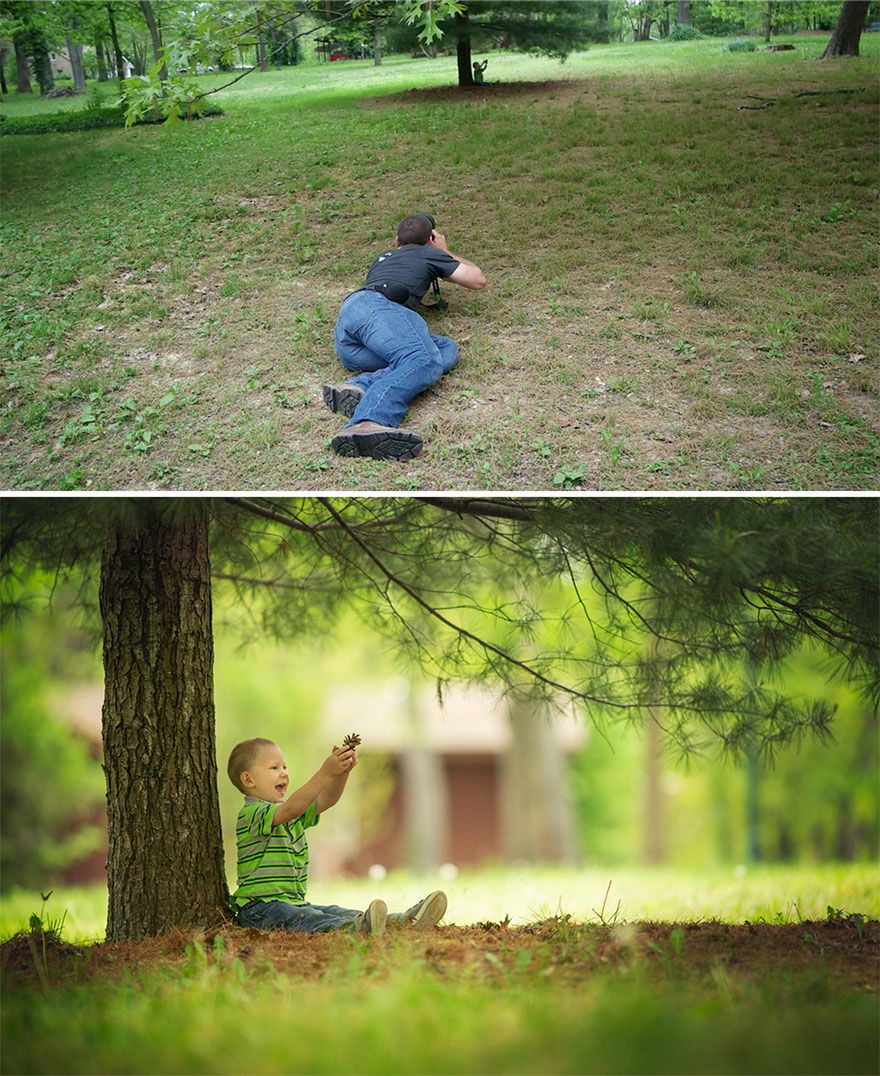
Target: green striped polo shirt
(273, 861)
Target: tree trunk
(4, 52)
(845, 39)
(768, 20)
(75, 55)
(155, 37)
(22, 70)
(262, 62)
(754, 851)
(377, 43)
(101, 60)
(463, 52)
(683, 18)
(165, 857)
(117, 51)
(42, 65)
(603, 32)
(653, 802)
(537, 815)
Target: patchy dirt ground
(846, 953)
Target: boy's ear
(246, 779)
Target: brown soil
(847, 953)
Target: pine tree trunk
(848, 31)
(165, 857)
(463, 52)
(22, 70)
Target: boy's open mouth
(281, 788)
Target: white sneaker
(372, 921)
(428, 912)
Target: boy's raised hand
(340, 760)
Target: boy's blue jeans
(394, 355)
(311, 918)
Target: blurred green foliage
(49, 783)
(817, 801)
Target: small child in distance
(273, 851)
(479, 68)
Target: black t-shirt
(413, 267)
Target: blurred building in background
(472, 779)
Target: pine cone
(352, 740)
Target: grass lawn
(793, 990)
(680, 292)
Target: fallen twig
(768, 101)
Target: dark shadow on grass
(488, 91)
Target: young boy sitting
(273, 853)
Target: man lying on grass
(273, 853)
(381, 337)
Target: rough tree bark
(463, 52)
(75, 55)
(22, 69)
(165, 858)
(848, 31)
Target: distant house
(61, 63)
(470, 782)
(475, 780)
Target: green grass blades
(731, 893)
(384, 1009)
(679, 291)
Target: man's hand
(438, 240)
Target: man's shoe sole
(382, 445)
(342, 400)
(431, 912)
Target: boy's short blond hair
(242, 758)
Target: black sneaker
(378, 442)
(342, 398)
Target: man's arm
(337, 764)
(467, 274)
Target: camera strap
(439, 302)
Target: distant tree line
(134, 38)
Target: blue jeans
(393, 354)
(311, 918)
